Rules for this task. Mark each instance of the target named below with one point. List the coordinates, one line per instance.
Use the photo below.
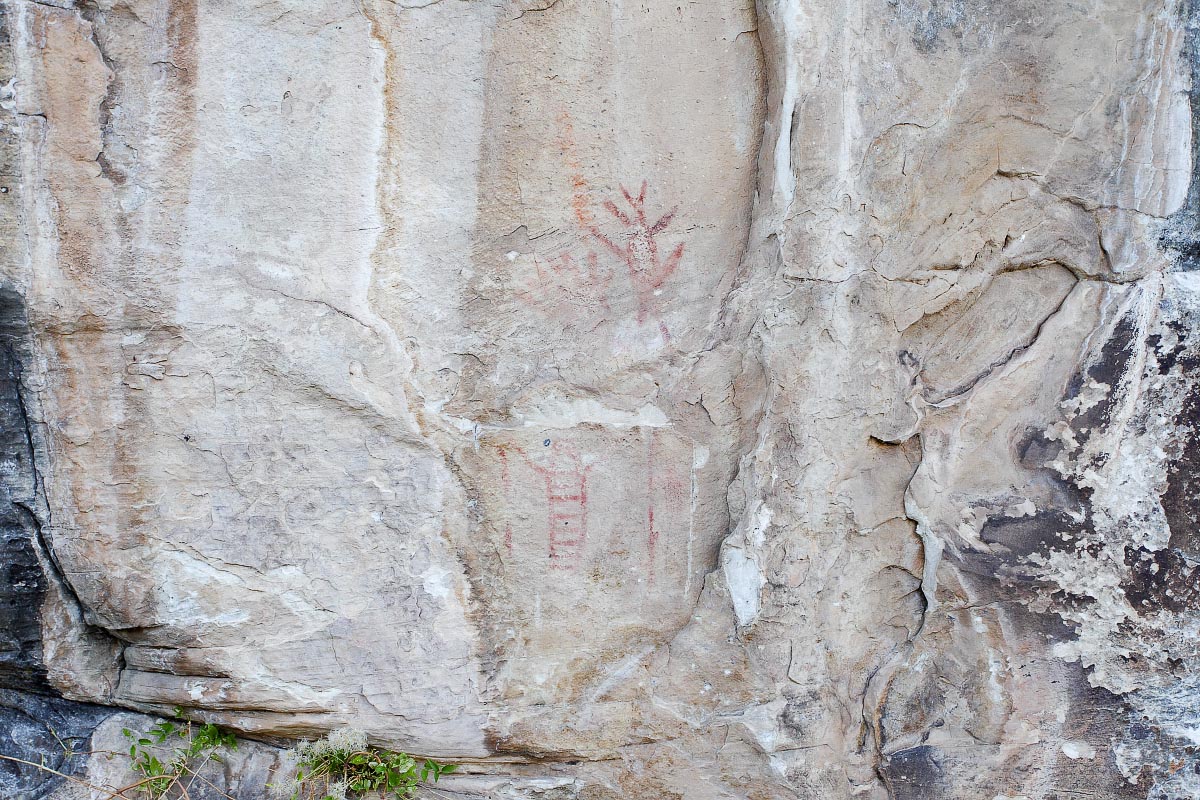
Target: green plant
(199, 747)
(343, 765)
(327, 769)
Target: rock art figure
(570, 286)
(637, 249)
(565, 476)
(777, 400)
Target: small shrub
(342, 766)
(173, 777)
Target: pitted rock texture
(791, 399)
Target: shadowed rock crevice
(45, 731)
(1182, 232)
(22, 547)
(35, 725)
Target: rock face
(622, 399)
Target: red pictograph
(587, 283)
(651, 475)
(641, 522)
(504, 477)
(565, 476)
(574, 286)
(639, 252)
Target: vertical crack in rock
(31, 562)
(39, 610)
(105, 109)
(25, 555)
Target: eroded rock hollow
(623, 399)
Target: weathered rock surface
(623, 399)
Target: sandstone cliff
(621, 398)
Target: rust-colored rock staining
(623, 399)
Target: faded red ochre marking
(651, 531)
(579, 185)
(637, 249)
(647, 269)
(508, 536)
(566, 289)
(565, 478)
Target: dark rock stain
(1045, 532)
(1181, 499)
(927, 28)
(23, 584)
(1159, 580)
(1182, 232)
(915, 774)
(1108, 368)
(45, 731)
(35, 725)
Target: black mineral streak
(23, 584)
(1182, 233)
(43, 730)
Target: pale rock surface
(622, 399)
